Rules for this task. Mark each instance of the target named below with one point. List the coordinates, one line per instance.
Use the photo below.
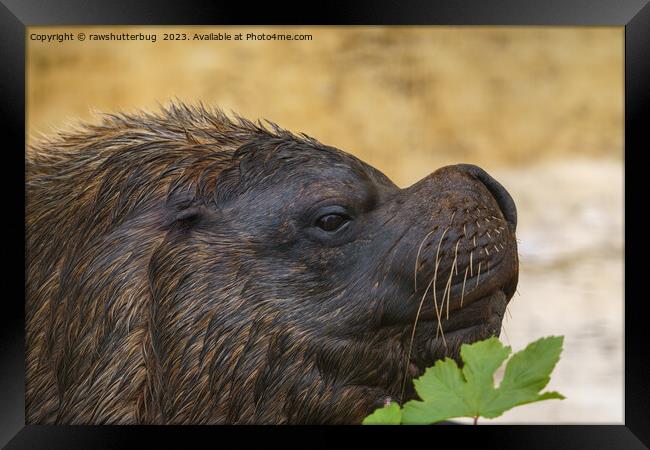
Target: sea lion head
(340, 277)
(286, 280)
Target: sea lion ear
(186, 216)
(190, 214)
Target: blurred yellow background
(406, 99)
(541, 109)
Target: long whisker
(435, 300)
(435, 277)
(462, 295)
(435, 305)
(478, 277)
(448, 286)
(448, 295)
(471, 269)
(415, 275)
(432, 283)
(438, 317)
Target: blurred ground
(541, 109)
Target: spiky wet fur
(144, 304)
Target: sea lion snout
(473, 180)
(500, 194)
(463, 247)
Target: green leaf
(527, 373)
(447, 391)
(481, 360)
(531, 368)
(441, 388)
(388, 415)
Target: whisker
(463, 291)
(440, 243)
(438, 315)
(438, 326)
(448, 295)
(471, 256)
(435, 277)
(446, 292)
(435, 300)
(456, 257)
(478, 277)
(408, 356)
(451, 274)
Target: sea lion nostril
(501, 195)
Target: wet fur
(147, 302)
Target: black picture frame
(16, 15)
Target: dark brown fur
(168, 283)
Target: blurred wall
(406, 99)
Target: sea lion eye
(331, 222)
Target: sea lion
(188, 267)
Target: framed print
(298, 223)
